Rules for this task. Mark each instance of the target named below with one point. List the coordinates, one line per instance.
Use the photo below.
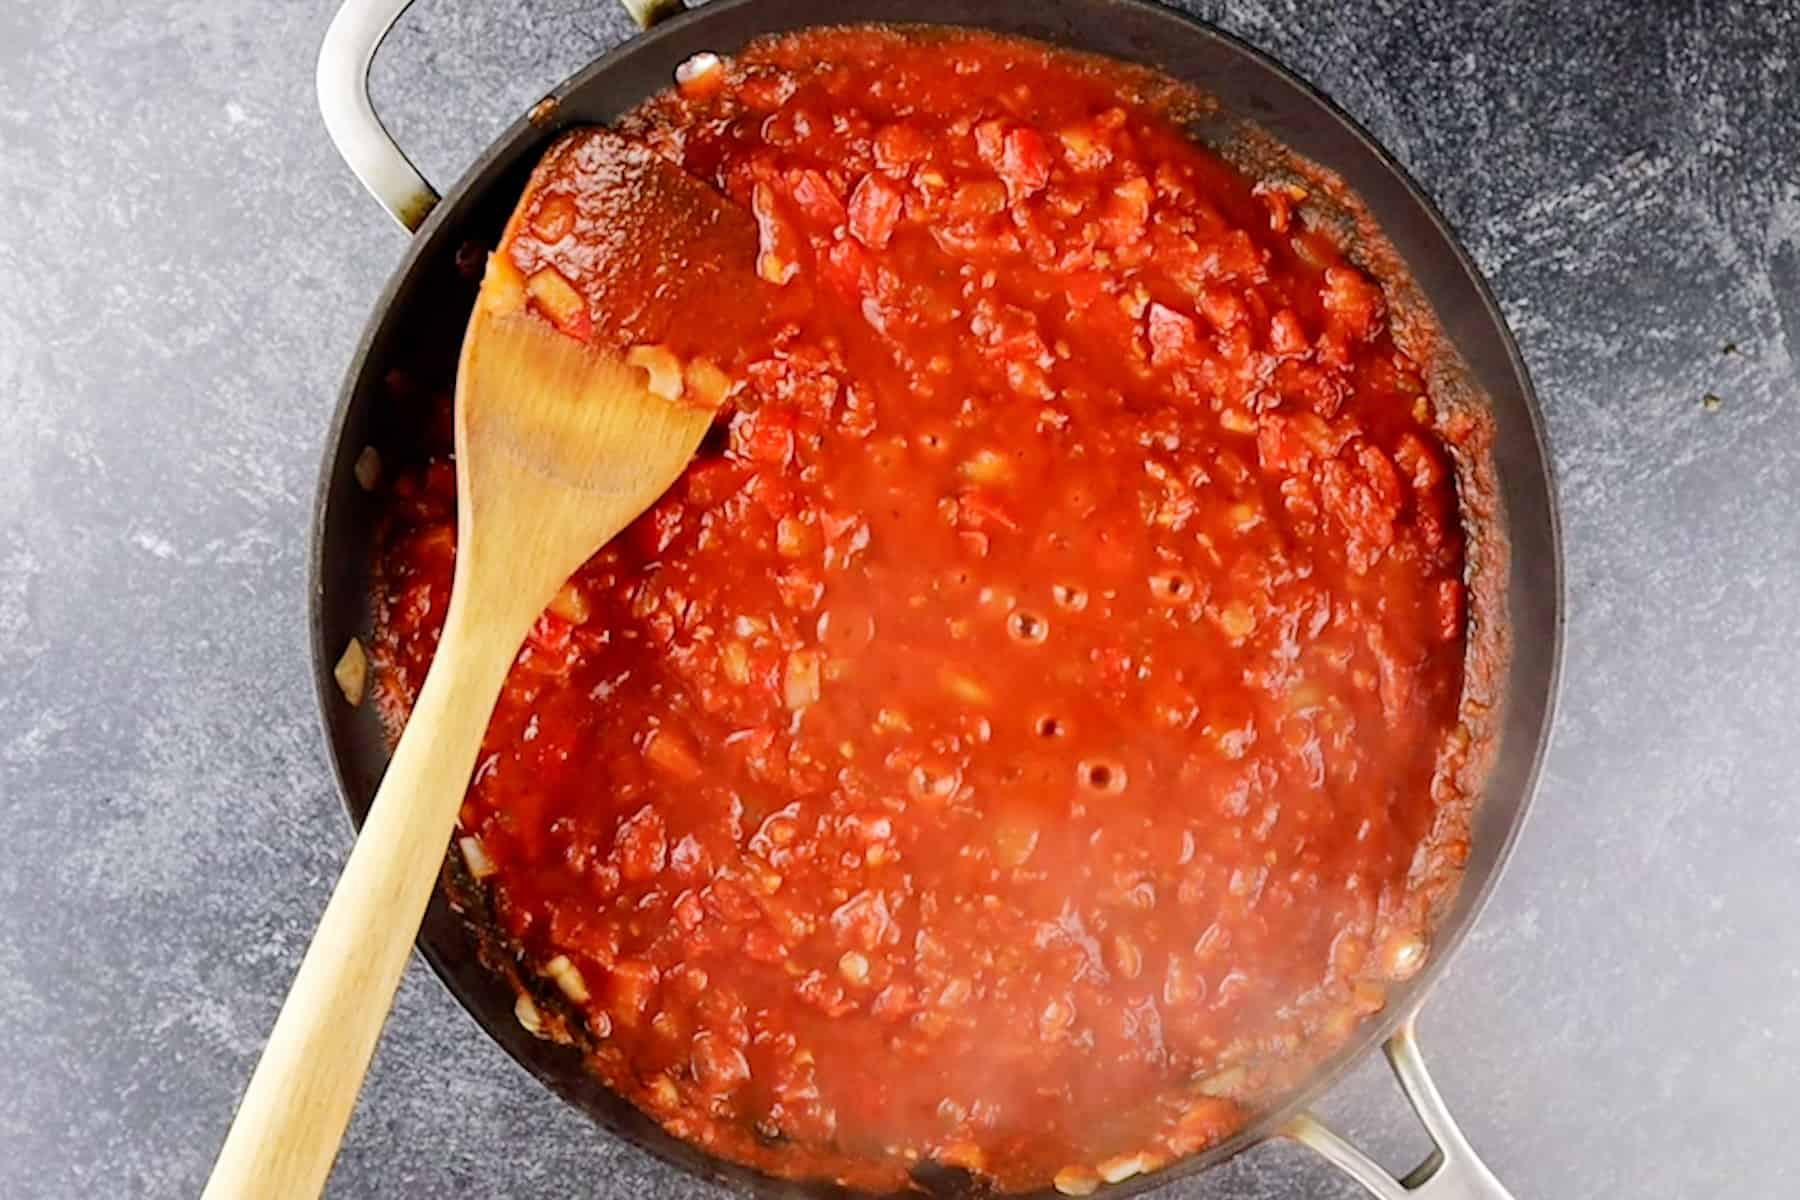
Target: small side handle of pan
(1451, 1172)
(356, 33)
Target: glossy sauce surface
(1024, 740)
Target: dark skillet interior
(417, 327)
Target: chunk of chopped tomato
(874, 211)
(816, 199)
(1174, 338)
(1025, 162)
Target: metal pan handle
(343, 79)
(1451, 1172)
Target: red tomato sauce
(1021, 741)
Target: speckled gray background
(185, 264)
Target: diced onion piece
(663, 1092)
(554, 219)
(476, 858)
(703, 63)
(1127, 957)
(1121, 1167)
(800, 687)
(1236, 420)
(854, 967)
(1079, 139)
(1084, 149)
(1306, 695)
(1225, 1084)
(572, 604)
(670, 753)
(793, 537)
(1208, 1121)
(567, 976)
(1338, 1025)
(1015, 839)
(987, 466)
(965, 687)
(706, 383)
(1055, 1018)
(979, 198)
(529, 1018)
(368, 468)
(1077, 1181)
(775, 269)
(700, 76)
(1403, 955)
(661, 365)
(556, 296)
(352, 672)
(1237, 621)
(734, 660)
(503, 288)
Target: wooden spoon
(560, 444)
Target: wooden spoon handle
(286, 1132)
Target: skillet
(417, 325)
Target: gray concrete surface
(184, 266)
